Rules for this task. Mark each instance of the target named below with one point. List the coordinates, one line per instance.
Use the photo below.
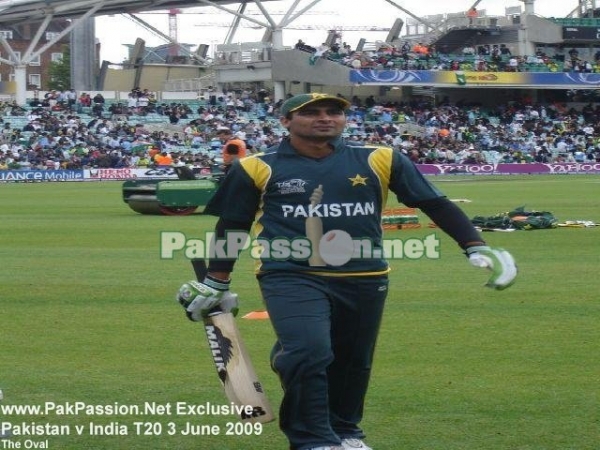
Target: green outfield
(88, 320)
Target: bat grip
(215, 311)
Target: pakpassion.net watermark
(335, 247)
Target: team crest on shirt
(293, 186)
(358, 180)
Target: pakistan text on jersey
(329, 210)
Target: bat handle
(215, 311)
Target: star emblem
(357, 180)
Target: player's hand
(198, 298)
(229, 303)
(498, 260)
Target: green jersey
(351, 185)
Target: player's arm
(414, 190)
(237, 199)
(452, 221)
(233, 204)
(220, 268)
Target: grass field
(88, 315)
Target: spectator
(320, 52)
(98, 99)
(504, 50)
(573, 54)
(420, 49)
(301, 45)
(163, 159)
(132, 102)
(468, 50)
(85, 101)
(233, 147)
(472, 15)
(142, 103)
(483, 50)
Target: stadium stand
(520, 131)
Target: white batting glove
(229, 303)
(498, 260)
(199, 298)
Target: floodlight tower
(173, 33)
(587, 8)
(529, 6)
(526, 47)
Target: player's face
(318, 121)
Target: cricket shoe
(353, 443)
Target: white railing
(190, 84)
(244, 52)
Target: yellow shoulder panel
(380, 161)
(258, 170)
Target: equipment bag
(518, 219)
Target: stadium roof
(22, 11)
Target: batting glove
(498, 260)
(199, 298)
(229, 303)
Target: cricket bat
(233, 363)
(314, 230)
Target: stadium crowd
(484, 58)
(56, 135)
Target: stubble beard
(319, 137)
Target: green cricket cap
(301, 100)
